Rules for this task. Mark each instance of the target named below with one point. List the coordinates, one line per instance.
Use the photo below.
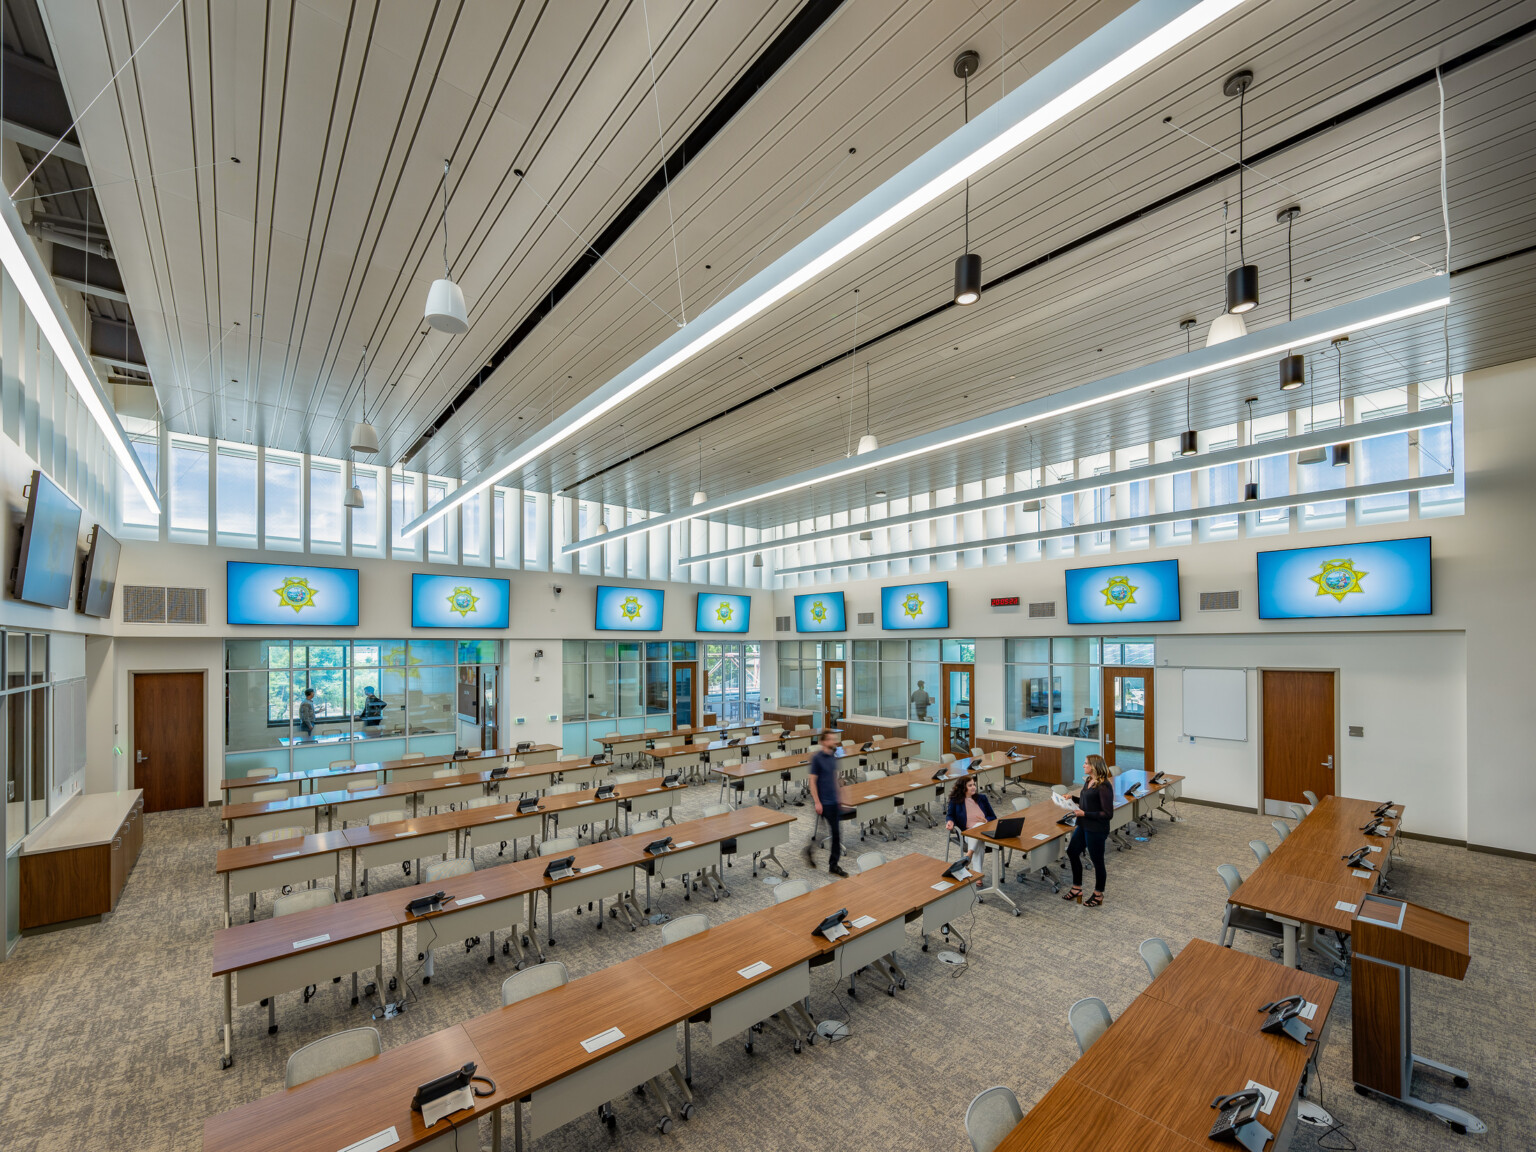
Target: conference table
(1194, 1034)
(768, 773)
(1306, 883)
(238, 788)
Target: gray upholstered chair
(1156, 955)
(330, 1053)
(684, 927)
(991, 1116)
(1089, 1019)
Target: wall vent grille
(1218, 601)
(781, 624)
(1043, 611)
(186, 606)
(143, 605)
(866, 617)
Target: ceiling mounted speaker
(1293, 372)
(364, 438)
(1227, 326)
(445, 308)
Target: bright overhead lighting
(20, 259)
(1134, 38)
(1355, 316)
(867, 443)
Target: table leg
(229, 1020)
(400, 960)
(227, 910)
(517, 1125)
(997, 880)
(1289, 928)
(496, 1130)
(687, 1053)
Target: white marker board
(1216, 703)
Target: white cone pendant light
(867, 442)
(445, 309)
(365, 438)
(699, 495)
(354, 497)
(1227, 325)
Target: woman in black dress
(1095, 803)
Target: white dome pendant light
(365, 438)
(699, 495)
(445, 300)
(1227, 325)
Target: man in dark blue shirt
(829, 801)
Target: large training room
(756, 575)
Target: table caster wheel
(665, 1126)
(263, 1003)
(491, 959)
(226, 1061)
(854, 992)
(1462, 1082)
(421, 955)
(354, 1001)
(393, 983)
(891, 991)
(925, 945)
(902, 984)
(749, 1048)
(426, 979)
(272, 1030)
(688, 1110)
(799, 1047)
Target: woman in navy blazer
(968, 807)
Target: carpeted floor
(109, 1033)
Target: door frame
(1338, 713)
(826, 691)
(945, 736)
(693, 688)
(1107, 674)
(211, 719)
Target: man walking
(829, 801)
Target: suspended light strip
(1386, 426)
(1356, 316)
(1150, 27)
(1296, 500)
(20, 259)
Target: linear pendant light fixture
(1293, 367)
(1129, 42)
(1354, 316)
(968, 267)
(20, 258)
(1242, 281)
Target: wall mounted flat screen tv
(99, 580)
(1123, 593)
(717, 613)
(905, 606)
(622, 609)
(291, 594)
(50, 534)
(1380, 578)
(460, 601)
(820, 612)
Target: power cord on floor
(970, 943)
(1348, 1145)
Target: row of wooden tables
(407, 768)
(734, 975)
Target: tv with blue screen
(1124, 593)
(460, 601)
(820, 612)
(629, 609)
(283, 595)
(1380, 578)
(718, 613)
(904, 606)
(50, 536)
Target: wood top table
(319, 776)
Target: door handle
(138, 756)
(1328, 763)
(1109, 739)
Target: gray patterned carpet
(108, 1034)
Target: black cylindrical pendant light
(1242, 288)
(968, 279)
(1242, 281)
(1293, 372)
(1189, 443)
(1339, 453)
(1189, 439)
(1250, 491)
(967, 267)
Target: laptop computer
(1008, 828)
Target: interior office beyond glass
(1054, 685)
(372, 700)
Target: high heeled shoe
(1094, 901)
(1074, 894)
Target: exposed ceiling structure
(271, 179)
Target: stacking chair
(1311, 796)
(1237, 919)
(343, 764)
(1281, 828)
(790, 889)
(1090, 1019)
(294, 833)
(267, 795)
(301, 901)
(332, 1053)
(1156, 955)
(441, 870)
(990, 1117)
(1260, 849)
(684, 927)
(392, 816)
(1299, 813)
(1020, 803)
(868, 860)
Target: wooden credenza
(76, 867)
(1052, 756)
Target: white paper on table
(1346, 906)
(286, 855)
(1375, 847)
(683, 844)
(1308, 1010)
(758, 824)
(1042, 835)
(942, 886)
(305, 943)
(1359, 874)
(1270, 1096)
(590, 868)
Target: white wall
(1382, 678)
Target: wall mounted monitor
(460, 601)
(915, 605)
(1124, 593)
(820, 612)
(99, 579)
(1381, 578)
(283, 595)
(629, 609)
(717, 613)
(50, 535)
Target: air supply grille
(1042, 611)
(1218, 601)
(781, 624)
(143, 605)
(866, 617)
(186, 606)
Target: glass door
(490, 729)
(957, 709)
(683, 699)
(834, 680)
(1128, 718)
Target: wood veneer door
(1128, 717)
(168, 739)
(1299, 734)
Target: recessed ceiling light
(1415, 236)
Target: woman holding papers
(1095, 803)
(968, 808)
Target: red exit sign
(1005, 601)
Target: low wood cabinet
(77, 867)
